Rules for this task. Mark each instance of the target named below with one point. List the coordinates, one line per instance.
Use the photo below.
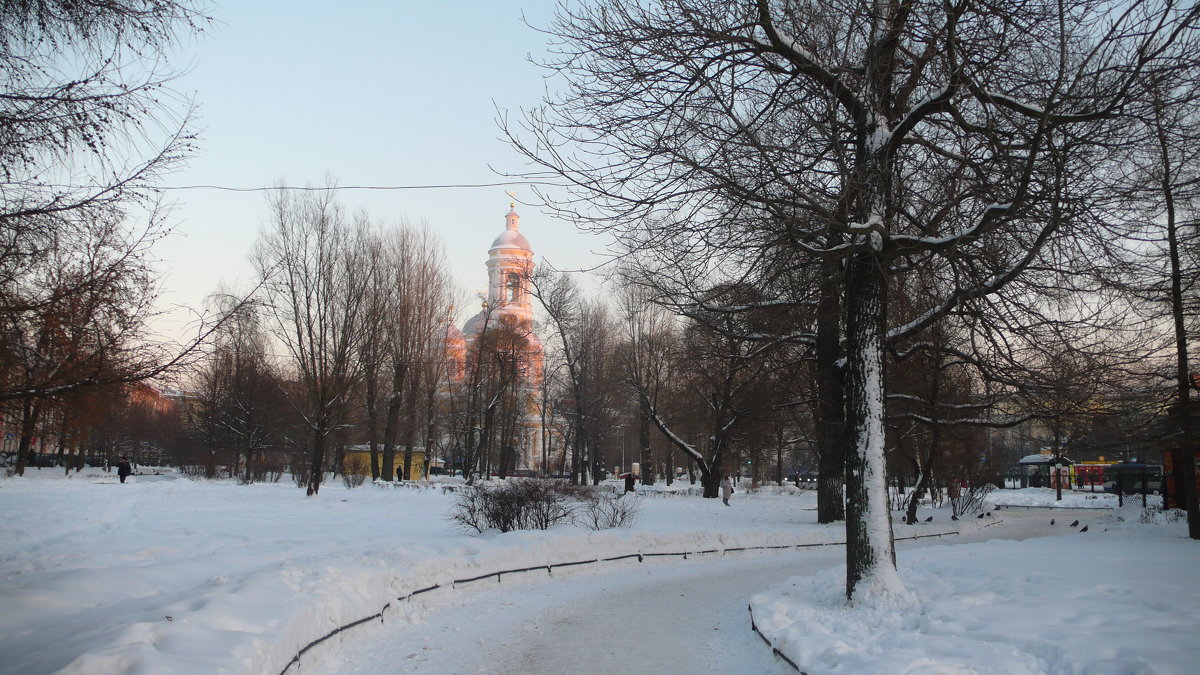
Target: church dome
(511, 239)
(474, 324)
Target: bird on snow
(929, 519)
(989, 514)
(979, 516)
(1075, 524)
(1083, 529)
(1051, 521)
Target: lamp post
(1058, 481)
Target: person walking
(726, 489)
(630, 482)
(124, 469)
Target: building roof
(511, 239)
(475, 323)
(1044, 459)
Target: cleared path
(655, 617)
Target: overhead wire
(327, 188)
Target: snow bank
(1046, 498)
(1082, 603)
(168, 575)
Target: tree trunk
(29, 415)
(914, 500)
(870, 552)
(710, 482)
(372, 425)
(390, 432)
(410, 430)
(577, 469)
(317, 465)
(830, 409)
(1184, 459)
(644, 442)
(925, 471)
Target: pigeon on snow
(979, 516)
(1075, 524)
(1083, 529)
(1051, 521)
(929, 519)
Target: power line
(309, 188)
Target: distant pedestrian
(124, 469)
(726, 489)
(629, 482)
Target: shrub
(514, 505)
(193, 471)
(973, 499)
(605, 510)
(354, 470)
(540, 504)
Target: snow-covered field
(168, 575)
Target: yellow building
(358, 462)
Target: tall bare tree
(884, 135)
(1168, 205)
(562, 302)
(312, 262)
(648, 331)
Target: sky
(371, 93)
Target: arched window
(514, 287)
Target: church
(496, 359)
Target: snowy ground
(169, 575)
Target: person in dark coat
(629, 482)
(124, 469)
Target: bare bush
(515, 505)
(544, 504)
(192, 470)
(354, 470)
(538, 505)
(468, 510)
(973, 499)
(604, 510)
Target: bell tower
(509, 264)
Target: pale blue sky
(375, 93)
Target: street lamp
(1058, 481)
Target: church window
(514, 286)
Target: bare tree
(648, 332)
(561, 300)
(88, 126)
(883, 135)
(312, 263)
(241, 411)
(1167, 206)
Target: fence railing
(550, 567)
